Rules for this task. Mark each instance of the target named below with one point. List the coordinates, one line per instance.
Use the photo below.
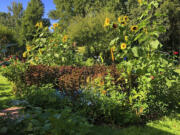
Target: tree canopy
(32, 15)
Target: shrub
(15, 74)
(69, 78)
(46, 97)
(37, 121)
(103, 101)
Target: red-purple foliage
(69, 78)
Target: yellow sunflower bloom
(37, 25)
(123, 23)
(28, 48)
(40, 25)
(24, 54)
(55, 25)
(126, 38)
(123, 46)
(120, 19)
(106, 22)
(104, 92)
(125, 18)
(134, 28)
(32, 63)
(65, 38)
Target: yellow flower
(104, 92)
(37, 25)
(32, 63)
(55, 25)
(107, 22)
(125, 18)
(123, 46)
(28, 48)
(126, 38)
(134, 28)
(24, 54)
(120, 19)
(123, 23)
(65, 38)
(40, 25)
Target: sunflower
(126, 38)
(125, 18)
(104, 92)
(55, 25)
(24, 54)
(134, 28)
(123, 46)
(120, 19)
(28, 48)
(123, 23)
(106, 22)
(64, 39)
(37, 25)
(40, 25)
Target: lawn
(166, 126)
(5, 93)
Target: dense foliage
(101, 68)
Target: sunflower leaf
(135, 51)
(154, 44)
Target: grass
(168, 125)
(5, 93)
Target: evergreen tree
(32, 15)
(16, 11)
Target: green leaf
(154, 44)
(138, 36)
(135, 51)
(114, 41)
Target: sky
(48, 4)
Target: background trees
(32, 15)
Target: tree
(16, 11)
(67, 9)
(5, 19)
(32, 15)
